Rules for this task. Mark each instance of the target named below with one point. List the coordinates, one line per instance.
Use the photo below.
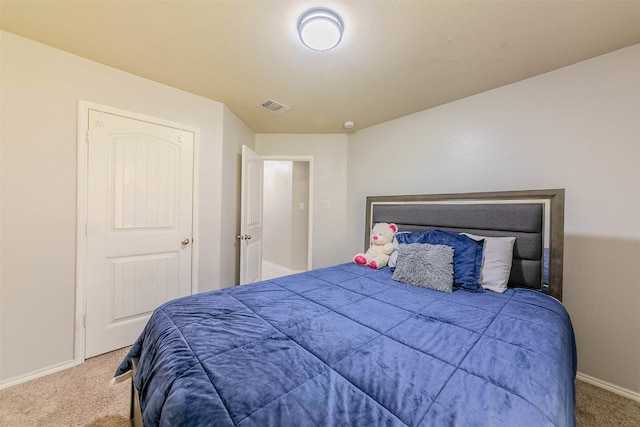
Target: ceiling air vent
(273, 106)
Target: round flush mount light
(320, 29)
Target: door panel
(139, 212)
(141, 283)
(251, 217)
(146, 183)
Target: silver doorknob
(185, 242)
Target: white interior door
(251, 217)
(139, 225)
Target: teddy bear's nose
(375, 237)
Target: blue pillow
(545, 268)
(467, 255)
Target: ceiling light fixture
(320, 29)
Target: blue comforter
(349, 346)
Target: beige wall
(40, 89)
(329, 176)
(277, 201)
(300, 217)
(286, 226)
(576, 128)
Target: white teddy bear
(377, 256)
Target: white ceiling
(396, 57)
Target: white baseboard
(609, 387)
(37, 374)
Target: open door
(251, 217)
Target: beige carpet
(598, 407)
(82, 396)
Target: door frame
(308, 159)
(81, 206)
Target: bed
(348, 345)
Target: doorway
(287, 216)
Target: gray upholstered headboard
(534, 217)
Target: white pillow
(393, 258)
(496, 261)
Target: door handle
(244, 237)
(185, 242)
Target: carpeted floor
(82, 396)
(597, 407)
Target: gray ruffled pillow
(429, 266)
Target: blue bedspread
(348, 346)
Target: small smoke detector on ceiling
(273, 106)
